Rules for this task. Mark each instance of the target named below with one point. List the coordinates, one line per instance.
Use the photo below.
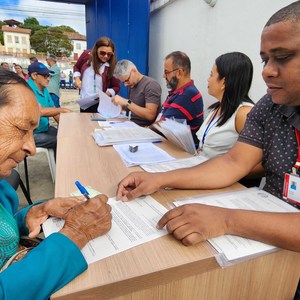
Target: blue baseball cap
(39, 68)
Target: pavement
(40, 180)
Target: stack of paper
(177, 133)
(146, 153)
(113, 136)
(233, 249)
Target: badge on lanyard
(291, 187)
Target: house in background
(79, 44)
(16, 40)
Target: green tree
(32, 24)
(65, 28)
(1, 33)
(51, 40)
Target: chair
(51, 160)
(15, 181)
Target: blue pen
(82, 190)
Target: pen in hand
(82, 190)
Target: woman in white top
(229, 82)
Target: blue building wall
(126, 22)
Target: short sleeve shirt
(45, 100)
(185, 103)
(146, 91)
(271, 127)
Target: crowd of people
(241, 138)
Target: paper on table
(173, 165)
(117, 124)
(88, 101)
(133, 223)
(106, 108)
(147, 154)
(234, 249)
(112, 136)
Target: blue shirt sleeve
(43, 271)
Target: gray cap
(52, 57)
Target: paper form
(173, 165)
(133, 223)
(233, 248)
(106, 108)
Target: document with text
(133, 223)
(174, 164)
(232, 248)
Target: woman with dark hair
(229, 82)
(94, 70)
(19, 71)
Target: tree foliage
(51, 40)
(1, 33)
(32, 24)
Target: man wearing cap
(54, 84)
(44, 135)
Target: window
(17, 40)
(9, 39)
(23, 40)
(78, 46)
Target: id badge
(291, 188)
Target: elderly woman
(93, 72)
(58, 259)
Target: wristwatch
(128, 103)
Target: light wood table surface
(163, 268)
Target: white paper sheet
(117, 124)
(113, 136)
(234, 248)
(88, 101)
(133, 223)
(106, 108)
(173, 165)
(147, 153)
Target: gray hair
(180, 60)
(123, 68)
(289, 13)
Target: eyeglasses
(45, 76)
(168, 72)
(104, 53)
(127, 80)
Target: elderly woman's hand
(88, 220)
(57, 207)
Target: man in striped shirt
(184, 101)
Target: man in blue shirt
(45, 135)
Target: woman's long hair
(237, 69)
(106, 42)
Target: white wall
(205, 32)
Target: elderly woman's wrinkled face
(17, 121)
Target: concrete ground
(40, 181)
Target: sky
(47, 13)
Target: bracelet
(128, 103)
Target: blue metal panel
(126, 22)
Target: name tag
(291, 188)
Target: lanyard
(296, 167)
(94, 83)
(208, 127)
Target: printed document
(233, 248)
(133, 223)
(116, 135)
(88, 101)
(106, 108)
(174, 164)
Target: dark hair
(289, 13)
(33, 59)
(180, 61)
(7, 80)
(106, 42)
(237, 69)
